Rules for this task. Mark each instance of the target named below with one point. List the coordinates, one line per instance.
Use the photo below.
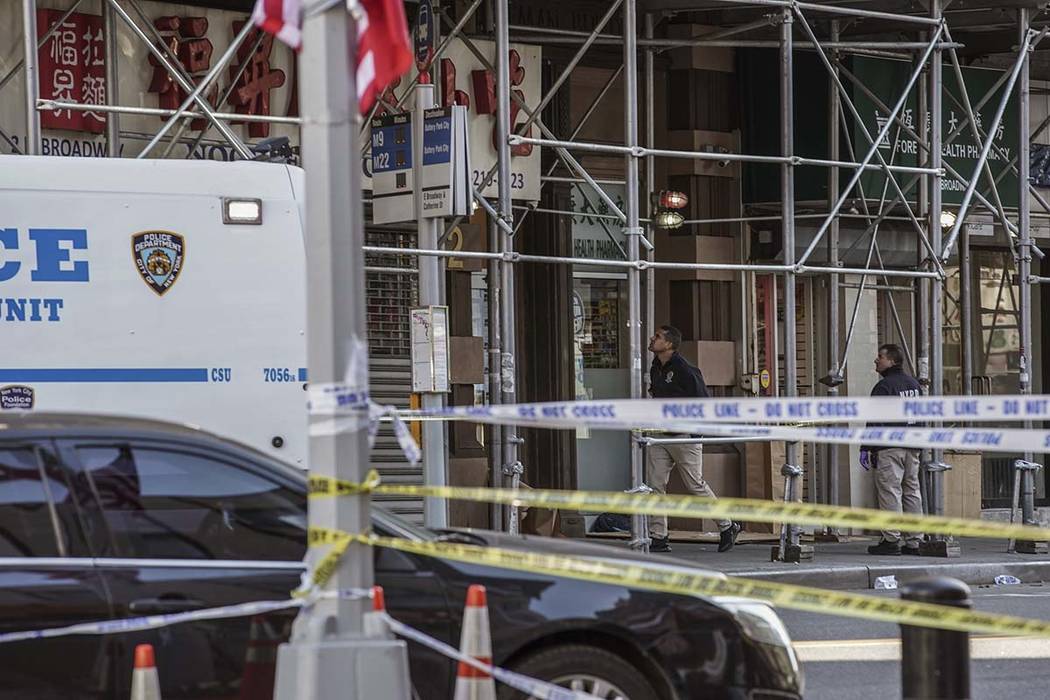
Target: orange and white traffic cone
(260, 661)
(476, 642)
(145, 683)
(375, 621)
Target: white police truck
(161, 289)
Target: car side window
(29, 523)
(165, 503)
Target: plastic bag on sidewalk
(886, 583)
(611, 522)
(1006, 580)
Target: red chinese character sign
(466, 81)
(252, 92)
(186, 38)
(72, 67)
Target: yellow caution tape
(746, 509)
(701, 583)
(325, 569)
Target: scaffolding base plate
(1030, 547)
(940, 548)
(793, 553)
(830, 537)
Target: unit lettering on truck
(44, 255)
(159, 289)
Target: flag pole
(329, 655)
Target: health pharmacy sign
(886, 78)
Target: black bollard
(935, 663)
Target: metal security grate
(390, 295)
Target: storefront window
(597, 321)
(998, 350)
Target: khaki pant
(689, 460)
(897, 488)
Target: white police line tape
(966, 439)
(530, 686)
(657, 415)
(346, 408)
(136, 624)
(841, 409)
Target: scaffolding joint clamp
(1024, 465)
(641, 265)
(639, 151)
(633, 230)
(791, 470)
(931, 467)
(517, 468)
(510, 256)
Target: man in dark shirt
(896, 468)
(671, 376)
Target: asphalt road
(845, 658)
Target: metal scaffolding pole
(935, 468)
(511, 466)
(789, 549)
(633, 230)
(176, 74)
(329, 645)
(834, 373)
(495, 357)
(512, 257)
(650, 183)
(32, 78)
(1022, 60)
(1024, 263)
(199, 89)
(109, 21)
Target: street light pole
(329, 656)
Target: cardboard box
(466, 358)
(962, 485)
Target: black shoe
(885, 547)
(659, 544)
(728, 537)
(910, 551)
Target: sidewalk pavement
(848, 566)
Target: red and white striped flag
(282, 18)
(384, 52)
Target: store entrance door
(599, 311)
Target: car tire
(587, 664)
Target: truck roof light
(241, 211)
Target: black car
(104, 518)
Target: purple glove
(865, 460)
